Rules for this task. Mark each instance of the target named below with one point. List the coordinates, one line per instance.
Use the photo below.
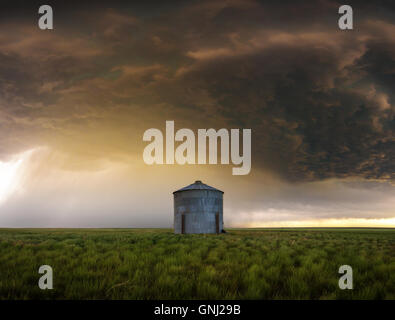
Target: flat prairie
(157, 264)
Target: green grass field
(156, 264)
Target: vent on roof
(197, 185)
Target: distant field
(156, 264)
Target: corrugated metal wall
(199, 208)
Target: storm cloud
(319, 100)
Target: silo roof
(198, 185)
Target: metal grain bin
(198, 208)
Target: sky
(75, 102)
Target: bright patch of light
(10, 174)
(333, 223)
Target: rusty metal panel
(183, 223)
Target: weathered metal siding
(200, 208)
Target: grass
(156, 264)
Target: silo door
(183, 223)
(217, 223)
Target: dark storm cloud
(319, 100)
(312, 116)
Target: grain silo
(198, 208)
